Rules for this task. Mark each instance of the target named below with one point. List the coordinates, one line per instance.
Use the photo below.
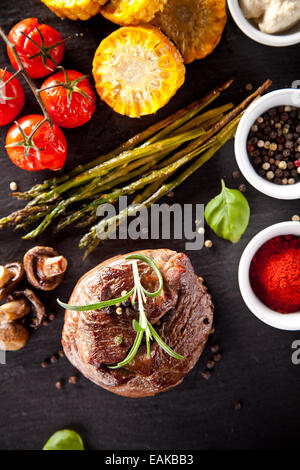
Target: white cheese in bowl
(272, 16)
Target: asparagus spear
(104, 229)
(125, 157)
(17, 216)
(226, 119)
(208, 116)
(87, 190)
(92, 239)
(111, 174)
(98, 171)
(208, 119)
(167, 124)
(90, 206)
(95, 186)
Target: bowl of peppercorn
(267, 144)
(269, 276)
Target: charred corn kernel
(128, 12)
(74, 9)
(195, 26)
(137, 70)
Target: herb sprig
(142, 326)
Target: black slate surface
(256, 367)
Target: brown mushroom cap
(13, 336)
(13, 274)
(37, 307)
(38, 271)
(14, 310)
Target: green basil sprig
(66, 439)
(228, 214)
(142, 326)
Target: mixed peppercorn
(274, 145)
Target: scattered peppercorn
(45, 323)
(210, 364)
(44, 364)
(217, 357)
(208, 243)
(53, 358)
(206, 374)
(73, 379)
(118, 340)
(273, 145)
(215, 348)
(295, 218)
(61, 353)
(237, 406)
(236, 174)
(51, 316)
(242, 188)
(13, 186)
(59, 385)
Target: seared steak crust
(182, 315)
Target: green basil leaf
(65, 439)
(228, 214)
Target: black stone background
(256, 368)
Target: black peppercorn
(277, 130)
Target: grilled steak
(182, 315)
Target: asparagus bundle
(148, 162)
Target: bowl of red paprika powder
(269, 276)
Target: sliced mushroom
(14, 310)
(37, 307)
(13, 336)
(10, 277)
(44, 267)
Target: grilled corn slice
(137, 70)
(132, 12)
(195, 26)
(74, 9)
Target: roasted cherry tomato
(40, 47)
(34, 148)
(12, 97)
(69, 98)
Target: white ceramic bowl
(290, 321)
(285, 97)
(287, 38)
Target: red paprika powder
(275, 274)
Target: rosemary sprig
(143, 326)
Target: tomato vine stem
(22, 70)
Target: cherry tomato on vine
(33, 146)
(40, 47)
(12, 97)
(69, 98)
